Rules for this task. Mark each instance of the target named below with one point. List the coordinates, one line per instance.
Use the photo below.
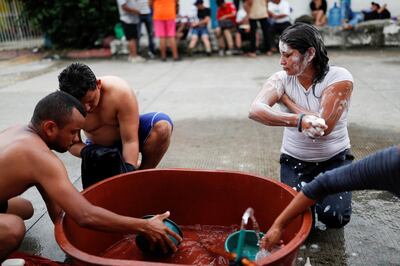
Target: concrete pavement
(208, 99)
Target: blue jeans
(333, 210)
(359, 17)
(148, 23)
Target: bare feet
(270, 53)
(253, 55)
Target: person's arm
(77, 147)
(335, 100)
(380, 171)
(297, 206)
(261, 109)
(294, 108)
(204, 21)
(52, 178)
(129, 9)
(247, 5)
(128, 119)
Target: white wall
(300, 7)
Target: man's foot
(270, 53)
(136, 59)
(189, 52)
(177, 59)
(163, 59)
(229, 53)
(253, 55)
(151, 55)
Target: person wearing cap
(376, 11)
(200, 28)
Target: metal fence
(15, 30)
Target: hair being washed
(56, 106)
(301, 36)
(77, 79)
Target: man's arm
(77, 147)
(128, 119)
(129, 9)
(52, 178)
(335, 100)
(261, 109)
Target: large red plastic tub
(193, 197)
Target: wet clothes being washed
(380, 171)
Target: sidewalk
(208, 99)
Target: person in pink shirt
(164, 15)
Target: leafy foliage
(73, 23)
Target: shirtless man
(55, 125)
(113, 117)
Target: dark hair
(220, 2)
(77, 79)
(301, 36)
(56, 106)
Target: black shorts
(3, 206)
(130, 30)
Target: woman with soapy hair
(314, 99)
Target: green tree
(73, 23)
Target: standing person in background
(318, 11)
(164, 15)
(279, 14)
(258, 12)
(145, 18)
(314, 99)
(129, 16)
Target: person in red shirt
(226, 16)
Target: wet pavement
(208, 99)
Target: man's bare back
(17, 145)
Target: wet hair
(56, 106)
(77, 79)
(301, 36)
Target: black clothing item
(3, 206)
(202, 13)
(375, 15)
(323, 6)
(99, 163)
(380, 171)
(130, 30)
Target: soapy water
(201, 245)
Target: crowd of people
(247, 27)
(237, 25)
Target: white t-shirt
(295, 143)
(143, 6)
(283, 8)
(126, 16)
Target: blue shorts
(146, 124)
(200, 31)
